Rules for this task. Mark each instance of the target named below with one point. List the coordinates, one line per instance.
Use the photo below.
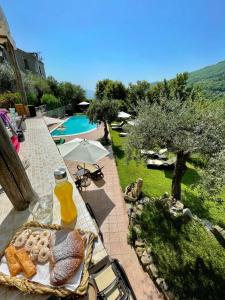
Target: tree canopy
(110, 89)
(137, 92)
(104, 111)
(184, 125)
(58, 93)
(71, 93)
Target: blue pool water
(74, 125)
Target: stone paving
(106, 200)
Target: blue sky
(84, 41)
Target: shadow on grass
(190, 275)
(195, 203)
(198, 281)
(156, 223)
(118, 151)
(191, 176)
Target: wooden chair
(112, 282)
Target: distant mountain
(90, 94)
(211, 79)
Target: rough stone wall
(30, 62)
(27, 61)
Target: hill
(211, 79)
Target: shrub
(9, 99)
(7, 78)
(32, 98)
(50, 100)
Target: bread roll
(13, 264)
(26, 263)
(67, 256)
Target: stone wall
(30, 62)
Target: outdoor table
(40, 173)
(84, 221)
(81, 173)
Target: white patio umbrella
(83, 150)
(123, 115)
(50, 121)
(83, 103)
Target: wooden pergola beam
(13, 177)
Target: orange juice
(64, 193)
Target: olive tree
(105, 111)
(184, 127)
(135, 93)
(110, 89)
(70, 93)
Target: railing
(57, 112)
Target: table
(44, 157)
(84, 221)
(81, 172)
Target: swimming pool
(74, 125)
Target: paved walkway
(106, 200)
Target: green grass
(190, 259)
(156, 182)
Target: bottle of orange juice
(64, 193)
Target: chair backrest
(112, 283)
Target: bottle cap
(60, 173)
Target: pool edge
(67, 135)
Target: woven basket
(29, 287)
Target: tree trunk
(13, 177)
(179, 171)
(106, 132)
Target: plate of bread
(48, 259)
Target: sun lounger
(147, 152)
(123, 134)
(163, 151)
(112, 282)
(117, 126)
(154, 154)
(160, 164)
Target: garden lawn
(157, 182)
(189, 257)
